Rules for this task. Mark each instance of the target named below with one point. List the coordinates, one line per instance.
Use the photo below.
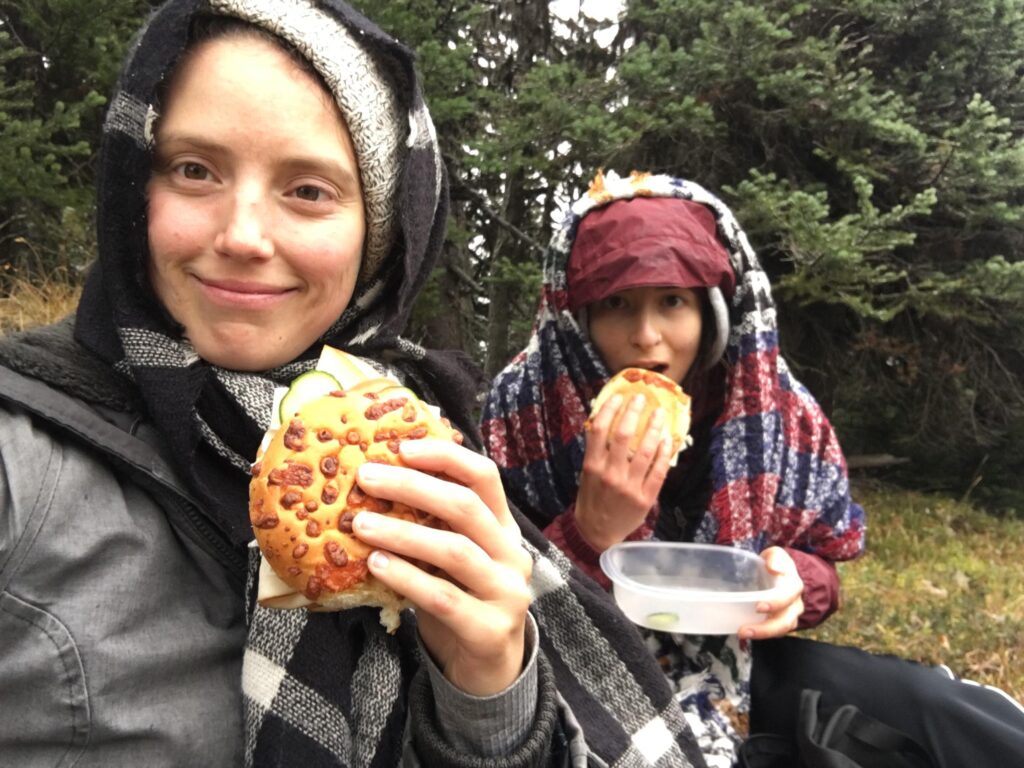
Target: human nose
(244, 231)
(645, 333)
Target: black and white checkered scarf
(334, 689)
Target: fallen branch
(875, 461)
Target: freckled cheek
(324, 264)
(176, 229)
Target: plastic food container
(704, 589)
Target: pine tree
(57, 58)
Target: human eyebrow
(169, 145)
(184, 140)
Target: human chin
(242, 346)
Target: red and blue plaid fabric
(777, 470)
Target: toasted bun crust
(303, 495)
(659, 392)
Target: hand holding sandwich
(618, 486)
(364, 496)
(469, 584)
(639, 422)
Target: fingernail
(637, 402)
(378, 561)
(371, 471)
(411, 447)
(763, 608)
(616, 401)
(367, 521)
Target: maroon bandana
(646, 241)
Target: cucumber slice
(662, 621)
(308, 386)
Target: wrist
(491, 675)
(588, 539)
(594, 542)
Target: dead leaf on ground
(926, 586)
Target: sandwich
(659, 392)
(303, 494)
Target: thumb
(775, 558)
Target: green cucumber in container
(663, 620)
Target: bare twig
(875, 461)
(499, 219)
(974, 480)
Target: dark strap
(767, 750)
(851, 739)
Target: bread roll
(303, 495)
(658, 391)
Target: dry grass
(25, 303)
(941, 582)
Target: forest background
(872, 149)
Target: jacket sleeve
(487, 725)
(565, 534)
(821, 587)
(544, 746)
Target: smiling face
(256, 217)
(658, 328)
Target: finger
(655, 478)
(602, 421)
(462, 613)
(784, 603)
(468, 468)
(624, 431)
(461, 558)
(649, 446)
(778, 561)
(597, 433)
(792, 590)
(776, 625)
(456, 504)
(788, 581)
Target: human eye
(673, 300)
(679, 299)
(613, 303)
(309, 192)
(192, 171)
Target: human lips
(242, 293)
(651, 365)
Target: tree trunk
(506, 249)
(448, 325)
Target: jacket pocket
(44, 700)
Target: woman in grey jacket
(270, 182)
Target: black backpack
(847, 739)
(816, 705)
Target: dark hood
(117, 293)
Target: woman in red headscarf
(653, 272)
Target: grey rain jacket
(121, 633)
